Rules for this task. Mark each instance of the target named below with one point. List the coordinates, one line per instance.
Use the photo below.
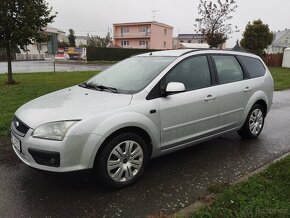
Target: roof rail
(214, 49)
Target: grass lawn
(264, 195)
(32, 85)
(281, 77)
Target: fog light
(46, 158)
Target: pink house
(151, 35)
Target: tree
(92, 41)
(108, 40)
(22, 23)
(257, 37)
(81, 45)
(72, 38)
(97, 41)
(62, 44)
(213, 23)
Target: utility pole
(154, 13)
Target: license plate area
(16, 142)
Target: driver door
(193, 114)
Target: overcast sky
(96, 16)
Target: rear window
(228, 68)
(253, 66)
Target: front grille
(20, 127)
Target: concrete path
(46, 66)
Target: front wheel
(254, 122)
(123, 160)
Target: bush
(113, 54)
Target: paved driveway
(46, 66)
(170, 182)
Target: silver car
(143, 107)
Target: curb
(208, 199)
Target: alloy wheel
(125, 161)
(256, 121)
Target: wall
(158, 37)
(133, 36)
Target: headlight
(53, 131)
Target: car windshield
(131, 75)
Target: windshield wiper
(89, 85)
(102, 87)
(98, 87)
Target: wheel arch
(263, 104)
(134, 129)
(258, 97)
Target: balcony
(139, 35)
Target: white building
(81, 41)
(40, 50)
(188, 38)
(280, 42)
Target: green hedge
(113, 54)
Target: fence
(112, 54)
(3, 55)
(273, 60)
(23, 57)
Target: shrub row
(113, 54)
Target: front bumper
(75, 152)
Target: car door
(192, 114)
(234, 91)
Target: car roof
(181, 52)
(168, 53)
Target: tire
(254, 123)
(122, 160)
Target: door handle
(247, 89)
(209, 98)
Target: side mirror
(174, 87)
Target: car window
(228, 68)
(193, 72)
(254, 66)
(133, 74)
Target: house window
(143, 29)
(181, 41)
(165, 32)
(124, 43)
(189, 41)
(124, 30)
(143, 43)
(164, 44)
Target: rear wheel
(123, 160)
(254, 122)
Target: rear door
(234, 90)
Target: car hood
(70, 104)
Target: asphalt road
(170, 182)
(46, 66)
